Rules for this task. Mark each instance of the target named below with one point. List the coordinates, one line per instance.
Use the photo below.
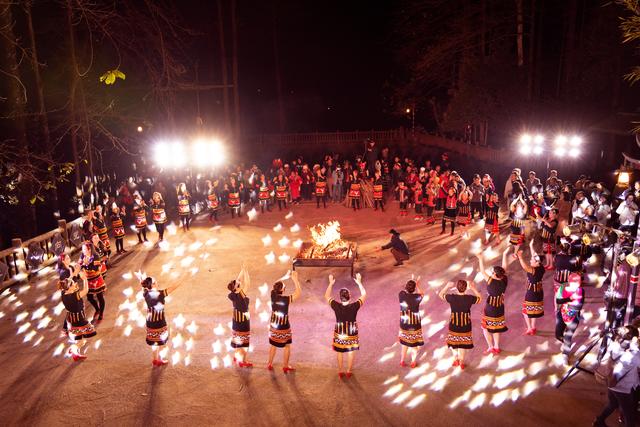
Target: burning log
(326, 249)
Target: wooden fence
(15, 258)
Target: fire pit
(327, 249)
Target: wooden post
(17, 247)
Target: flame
(325, 234)
(326, 242)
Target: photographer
(624, 378)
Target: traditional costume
(78, 326)
(345, 334)
(279, 328)
(410, 334)
(493, 319)
(533, 305)
(460, 334)
(240, 325)
(157, 329)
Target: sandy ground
(118, 386)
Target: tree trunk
(483, 30)
(42, 111)
(276, 59)
(532, 46)
(520, 33)
(225, 70)
(16, 102)
(73, 125)
(236, 95)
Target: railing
(314, 138)
(15, 258)
(478, 152)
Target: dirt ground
(117, 385)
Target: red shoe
(245, 364)
(288, 369)
(402, 364)
(160, 362)
(340, 375)
(413, 365)
(462, 366)
(270, 367)
(349, 375)
(455, 363)
(534, 331)
(77, 357)
(495, 350)
(527, 332)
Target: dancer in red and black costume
(493, 320)
(345, 333)
(156, 324)
(378, 192)
(491, 224)
(79, 328)
(403, 197)
(233, 197)
(184, 205)
(518, 217)
(280, 335)
(92, 266)
(281, 185)
(429, 201)
(463, 217)
(117, 226)
(158, 214)
(240, 325)
(533, 304)
(321, 188)
(140, 217)
(410, 335)
(548, 230)
(100, 228)
(355, 191)
(264, 193)
(460, 336)
(565, 265)
(450, 210)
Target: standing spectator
(336, 192)
(295, 182)
(477, 197)
(307, 182)
(624, 378)
(627, 211)
(580, 204)
(533, 184)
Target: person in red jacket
(295, 182)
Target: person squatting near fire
(398, 247)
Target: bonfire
(326, 243)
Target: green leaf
(33, 200)
(110, 76)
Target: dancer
(345, 334)
(403, 197)
(565, 264)
(240, 325)
(378, 192)
(463, 217)
(548, 234)
(430, 202)
(79, 328)
(281, 184)
(493, 320)
(280, 330)
(491, 224)
(569, 301)
(355, 191)
(450, 210)
(410, 335)
(233, 198)
(321, 188)
(101, 252)
(157, 329)
(67, 271)
(417, 200)
(533, 305)
(184, 208)
(100, 228)
(460, 336)
(92, 266)
(117, 225)
(140, 217)
(518, 216)
(158, 214)
(264, 193)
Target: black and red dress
(492, 223)
(464, 213)
(79, 327)
(157, 329)
(533, 305)
(93, 267)
(548, 235)
(410, 334)
(279, 328)
(345, 333)
(100, 228)
(450, 209)
(460, 331)
(493, 319)
(240, 325)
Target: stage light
(408, 110)
(561, 140)
(177, 156)
(140, 129)
(539, 139)
(200, 152)
(560, 151)
(525, 139)
(574, 152)
(575, 140)
(525, 149)
(624, 178)
(217, 152)
(162, 155)
(537, 150)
